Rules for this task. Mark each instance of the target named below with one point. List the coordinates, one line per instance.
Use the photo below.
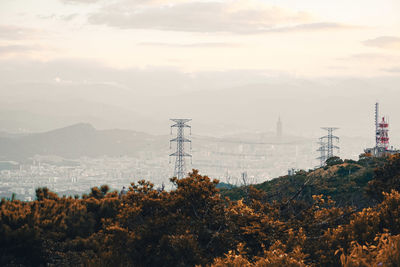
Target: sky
(311, 61)
(307, 38)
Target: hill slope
(345, 182)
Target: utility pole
(180, 124)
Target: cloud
(17, 49)
(135, 2)
(392, 70)
(10, 32)
(79, 1)
(68, 17)
(147, 80)
(191, 45)
(386, 42)
(243, 17)
(319, 26)
(370, 57)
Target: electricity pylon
(326, 145)
(180, 124)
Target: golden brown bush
(193, 225)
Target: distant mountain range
(80, 140)
(76, 141)
(83, 139)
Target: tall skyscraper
(279, 128)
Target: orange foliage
(193, 225)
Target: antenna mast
(377, 132)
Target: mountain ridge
(74, 141)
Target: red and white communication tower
(382, 134)
(382, 147)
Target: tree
(333, 161)
(387, 177)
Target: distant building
(381, 152)
(123, 192)
(279, 128)
(291, 172)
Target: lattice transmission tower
(322, 151)
(180, 154)
(327, 146)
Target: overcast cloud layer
(225, 16)
(12, 32)
(388, 42)
(299, 37)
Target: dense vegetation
(346, 182)
(347, 213)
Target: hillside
(345, 182)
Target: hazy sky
(306, 38)
(135, 63)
